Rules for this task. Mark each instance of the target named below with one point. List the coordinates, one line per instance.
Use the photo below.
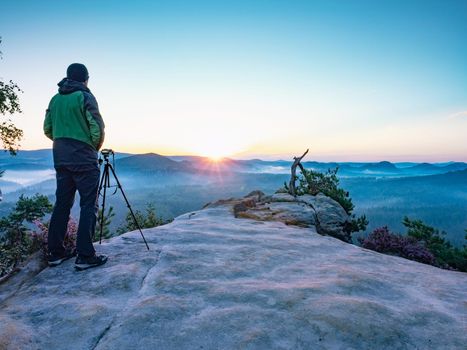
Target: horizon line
(278, 157)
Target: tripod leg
(128, 205)
(101, 183)
(105, 183)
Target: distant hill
(423, 167)
(405, 164)
(455, 166)
(27, 166)
(183, 158)
(150, 162)
(320, 165)
(428, 185)
(27, 160)
(39, 154)
(33, 160)
(8, 186)
(381, 166)
(453, 178)
(206, 164)
(428, 167)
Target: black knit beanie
(77, 72)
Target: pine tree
(147, 219)
(106, 224)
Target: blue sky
(351, 80)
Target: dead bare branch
(293, 177)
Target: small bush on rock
(422, 243)
(40, 236)
(313, 182)
(446, 255)
(383, 241)
(16, 243)
(147, 219)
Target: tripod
(105, 183)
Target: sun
(216, 159)
(215, 145)
(215, 152)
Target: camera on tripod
(106, 152)
(104, 183)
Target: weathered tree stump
(293, 177)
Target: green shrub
(446, 256)
(147, 219)
(105, 226)
(314, 182)
(16, 243)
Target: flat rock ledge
(320, 211)
(213, 281)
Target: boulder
(321, 211)
(290, 213)
(282, 197)
(331, 218)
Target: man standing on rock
(76, 127)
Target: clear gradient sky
(351, 80)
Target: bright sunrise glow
(213, 148)
(351, 80)
(216, 159)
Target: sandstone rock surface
(320, 211)
(212, 281)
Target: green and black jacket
(75, 125)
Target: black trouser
(86, 182)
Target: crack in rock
(130, 301)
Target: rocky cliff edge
(215, 281)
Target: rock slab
(212, 281)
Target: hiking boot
(86, 262)
(54, 259)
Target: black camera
(106, 152)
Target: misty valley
(385, 192)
